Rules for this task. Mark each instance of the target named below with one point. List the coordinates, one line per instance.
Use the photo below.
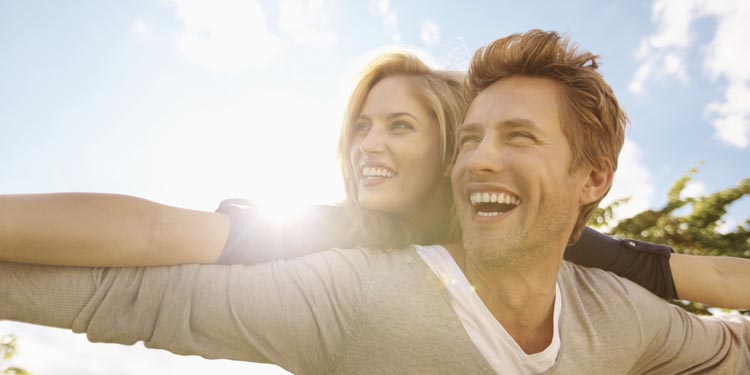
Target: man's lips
(481, 197)
(490, 200)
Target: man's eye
(521, 135)
(467, 142)
(468, 138)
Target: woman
(396, 148)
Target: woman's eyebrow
(362, 116)
(391, 116)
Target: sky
(189, 102)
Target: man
(536, 154)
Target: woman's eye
(361, 128)
(401, 126)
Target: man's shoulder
(357, 257)
(387, 268)
(597, 286)
(596, 277)
(371, 252)
(597, 289)
(599, 309)
(600, 276)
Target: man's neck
(521, 298)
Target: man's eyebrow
(516, 123)
(511, 124)
(469, 127)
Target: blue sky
(191, 102)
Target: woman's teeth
(373, 172)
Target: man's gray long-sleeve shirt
(360, 311)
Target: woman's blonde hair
(442, 92)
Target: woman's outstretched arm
(254, 239)
(713, 280)
(85, 229)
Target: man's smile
(490, 201)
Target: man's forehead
(516, 102)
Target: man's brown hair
(592, 120)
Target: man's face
(515, 194)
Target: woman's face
(395, 151)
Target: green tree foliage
(687, 224)
(7, 351)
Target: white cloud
(429, 33)
(307, 22)
(383, 9)
(633, 180)
(43, 350)
(226, 35)
(139, 26)
(662, 55)
(674, 17)
(733, 130)
(241, 139)
(727, 225)
(693, 189)
(675, 66)
(391, 20)
(641, 75)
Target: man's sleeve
(295, 314)
(675, 341)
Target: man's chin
(500, 250)
(489, 251)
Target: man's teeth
(377, 172)
(478, 198)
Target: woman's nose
(373, 142)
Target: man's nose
(485, 159)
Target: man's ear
(597, 184)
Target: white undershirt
(488, 335)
